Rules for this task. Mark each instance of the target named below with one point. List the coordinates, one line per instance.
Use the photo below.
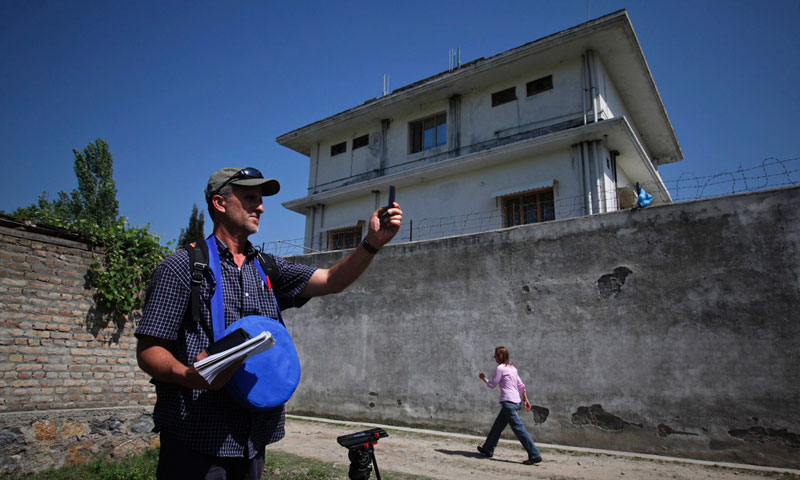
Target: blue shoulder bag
(266, 380)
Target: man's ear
(219, 203)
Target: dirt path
(453, 456)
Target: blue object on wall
(644, 198)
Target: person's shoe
(533, 461)
(485, 452)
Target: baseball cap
(245, 177)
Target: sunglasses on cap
(248, 172)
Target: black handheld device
(228, 341)
(385, 214)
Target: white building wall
(477, 193)
(333, 168)
(561, 103)
(611, 104)
(399, 156)
(366, 158)
(433, 205)
(479, 121)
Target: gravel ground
(453, 456)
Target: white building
(560, 127)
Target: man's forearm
(158, 362)
(381, 230)
(339, 276)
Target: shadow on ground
(462, 453)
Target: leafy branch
(131, 253)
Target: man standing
(204, 433)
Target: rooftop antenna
(385, 84)
(455, 58)
(588, 17)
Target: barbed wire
(772, 173)
(286, 248)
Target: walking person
(511, 387)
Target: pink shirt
(510, 384)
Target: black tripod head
(361, 452)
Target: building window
(338, 148)
(529, 207)
(539, 85)
(344, 238)
(361, 141)
(428, 133)
(504, 96)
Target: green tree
(96, 196)
(194, 232)
(94, 202)
(131, 253)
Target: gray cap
(243, 177)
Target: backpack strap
(267, 266)
(198, 264)
(268, 270)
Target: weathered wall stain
(595, 416)
(611, 283)
(762, 435)
(664, 431)
(540, 414)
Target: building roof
(610, 37)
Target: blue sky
(179, 89)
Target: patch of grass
(285, 466)
(133, 467)
(279, 466)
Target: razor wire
(771, 173)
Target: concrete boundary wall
(668, 330)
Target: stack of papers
(213, 365)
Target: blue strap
(269, 285)
(218, 299)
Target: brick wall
(58, 352)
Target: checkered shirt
(209, 421)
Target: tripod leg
(374, 463)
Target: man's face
(243, 209)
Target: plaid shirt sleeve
(167, 298)
(292, 277)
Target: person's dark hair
(502, 355)
(225, 192)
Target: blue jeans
(508, 415)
